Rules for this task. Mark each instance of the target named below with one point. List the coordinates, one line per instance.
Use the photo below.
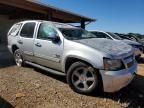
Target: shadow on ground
(56, 77)
(131, 96)
(6, 58)
(5, 104)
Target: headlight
(113, 64)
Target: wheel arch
(70, 60)
(14, 48)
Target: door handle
(38, 45)
(20, 42)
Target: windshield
(114, 36)
(76, 33)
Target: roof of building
(34, 8)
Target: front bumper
(115, 80)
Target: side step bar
(46, 69)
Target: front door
(47, 52)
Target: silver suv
(87, 62)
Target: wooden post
(83, 24)
(49, 16)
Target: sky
(122, 16)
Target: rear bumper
(115, 80)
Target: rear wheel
(82, 78)
(18, 58)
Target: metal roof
(36, 8)
(59, 9)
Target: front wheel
(18, 58)
(82, 78)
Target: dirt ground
(33, 88)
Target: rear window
(15, 30)
(28, 30)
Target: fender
(94, 60)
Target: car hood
(130, 42)
(113, 48)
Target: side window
(99, 35)
(28, 30)
(46, 31)
(102, 35)
(107, 37)
(15, 30)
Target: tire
(82, 78)
(18, 58)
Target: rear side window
(15, 30)
(28, 30)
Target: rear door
(13, 35)
(26, 40)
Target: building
(12, 11)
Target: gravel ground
(33, 88)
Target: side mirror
(53, 36)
